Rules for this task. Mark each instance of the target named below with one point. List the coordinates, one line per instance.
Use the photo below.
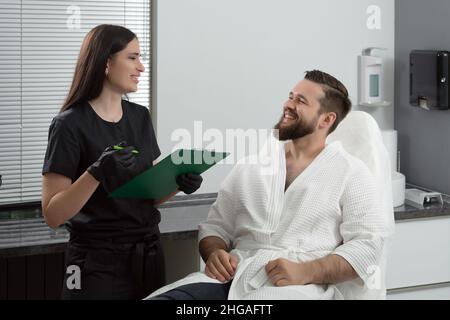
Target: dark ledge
(411, 211)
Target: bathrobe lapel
(278, 195)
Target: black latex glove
(189, 182)
(114, 163)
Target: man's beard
(297, 130)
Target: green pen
(121, 148)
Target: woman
(114, 246)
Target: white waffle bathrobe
(330, 208)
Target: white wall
(232, 63)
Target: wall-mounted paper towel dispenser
(429, 79)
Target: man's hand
(331, 269)
(283, 272)
(221, 265)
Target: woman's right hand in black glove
(112, 162)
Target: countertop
(23, 232)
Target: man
(308, 226)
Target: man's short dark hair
(336, 95)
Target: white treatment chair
(360, 136)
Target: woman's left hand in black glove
(189, 182)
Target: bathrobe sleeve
(363, 227)
(220, 221)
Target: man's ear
(328, 119)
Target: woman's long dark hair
(98, 45)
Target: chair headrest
(360, 136)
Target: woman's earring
(106, 72)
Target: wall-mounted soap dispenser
(429, 79)
(371, 80)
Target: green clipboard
(159, 181)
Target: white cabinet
(419, 255)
